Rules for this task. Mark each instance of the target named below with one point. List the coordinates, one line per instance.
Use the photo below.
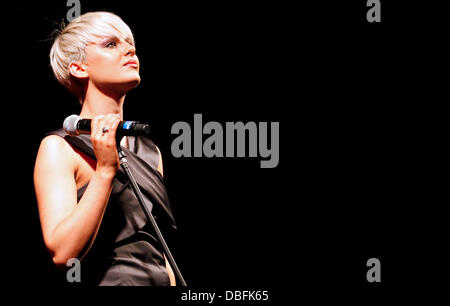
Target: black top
(126, 250)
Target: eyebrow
(127, 39)
(130, 41)
(117, 38)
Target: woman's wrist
(106, 173)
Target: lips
(131, 63)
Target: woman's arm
(68, 228)
(170, 272)
(160, 163)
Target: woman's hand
(103, 137)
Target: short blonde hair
(70, 44)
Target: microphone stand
(140, 197)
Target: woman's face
(112, 64)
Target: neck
(100, 102)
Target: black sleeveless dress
(126, 251)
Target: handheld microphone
(74, 125)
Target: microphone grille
(70, 125)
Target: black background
(344, 92)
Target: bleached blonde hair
(70, 44)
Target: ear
(78, 70)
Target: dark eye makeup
(111, 43)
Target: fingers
(104, 142)
(94, 126)
(103, 128)
(112, 124)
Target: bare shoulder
(54, 151)
(53, 142)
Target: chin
(136, 82)
(122, 85)
(131, 84)
(134, 78)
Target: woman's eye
(111, 44)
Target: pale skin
(69, 227)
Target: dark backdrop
(339, 87)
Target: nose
(130, 50)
